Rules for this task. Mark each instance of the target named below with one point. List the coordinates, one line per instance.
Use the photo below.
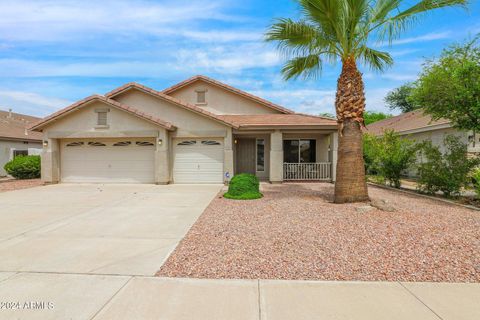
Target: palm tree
(344, 30)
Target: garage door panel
(198, 163)
(107, 164)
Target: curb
(410, 192)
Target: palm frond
(308, 67)
(375, 59)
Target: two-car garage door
(108, 161)
(132, 160)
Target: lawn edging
(411, 192)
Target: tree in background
(450, 86)
(327, 115)
(331, 31)
(399, 98)
(372, 116)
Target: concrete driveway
(97, 229)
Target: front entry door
(246, 155)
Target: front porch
(286, 155)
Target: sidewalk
(100, 297)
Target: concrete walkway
(101, 297)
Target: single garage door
(198, 161)
(108, 161)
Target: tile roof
(412, 120)
(168, 98)
(228, 88)
(279, 120)
(15, 126)
(37, 126)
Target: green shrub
(244, 187)
(24, 167)
(389, 155)
(475, 175)
(447, 172)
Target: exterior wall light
(160, 142)
(45, 143)
(236, 141)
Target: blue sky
(54, 52)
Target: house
(419, 126)
(15, 138)
(197, 131)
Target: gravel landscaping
(295, 232)
(10, 185)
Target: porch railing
(320, 171)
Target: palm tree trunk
(351, 185)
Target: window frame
(299, 153)
(22, 152)
(256, 154)
(204, 92)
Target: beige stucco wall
(221, 101)
(188, 123)
(437, 137)
(6, 147)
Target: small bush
(475, 175)
(389, 155)
(244, 187)
(24, 167)
(448, 172)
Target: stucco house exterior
(15, 138)
(197, 131)
(419, 126)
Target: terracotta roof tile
(168, 98)
(413, 120)
(280, 120)
(15, 126)
(229, 88)
(37, 126)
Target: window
(17, 153)
(96, 144)
(101, 118)
(260, 155)
(143, 143)
(187, 143)
(201, 97)
(122, 144)
(211, 143)
(299, 151)
(75, 144)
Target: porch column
(334, 154)
(228, 156)
(276, 157)
(50, 159)
(162, 159)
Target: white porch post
(50, 158)
(228, 156)
(276, 157)
(162, 159)
(334, 154)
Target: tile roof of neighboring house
(228, 88)
(274, 120)
(15, 126)
(37, 126)
(168, 98)
(413, 120)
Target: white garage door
(198, 161)
(108, 161)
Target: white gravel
(295, 232)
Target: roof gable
(85, 102)
(229, 88)
(161, 95)
(15, 126)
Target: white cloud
(30, 103)
(423, 38)
(55, 20)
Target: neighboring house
(420, 127)
(198, 131)
(15, 139)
